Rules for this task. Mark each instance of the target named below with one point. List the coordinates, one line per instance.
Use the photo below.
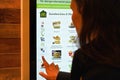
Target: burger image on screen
(56, 24)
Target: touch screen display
(56, 34)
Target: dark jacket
(90, 68)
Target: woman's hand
(51, 70)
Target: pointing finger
(45, 63)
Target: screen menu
(56, 34)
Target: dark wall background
(10, 63)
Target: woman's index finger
(45, 63)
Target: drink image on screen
(56, 34)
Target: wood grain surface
(10, 73)
(10, 16)
(10, 54)
(9, 30)
(9, 45)
(10, 4)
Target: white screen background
(55, 44)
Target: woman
(97, 23)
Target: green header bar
(54, 6)
(54, 1)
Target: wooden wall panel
(10, 74)
(10, 16)
(9, 45)
(10, 3)
(10, 54)
(9, 60)
(9, 30)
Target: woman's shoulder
(84, 59)
(80, 53)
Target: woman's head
(76, 16)
(95, 18)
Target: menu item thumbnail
(56, 24)
(71, 54)
(72, 39)
(56, 39)
(56, 54)
(71, 25)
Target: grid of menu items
(56, 38)
(56, 34)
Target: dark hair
(100, 18)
